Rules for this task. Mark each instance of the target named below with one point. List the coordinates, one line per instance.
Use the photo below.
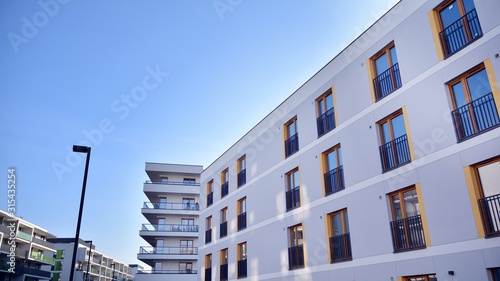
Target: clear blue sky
(145, 81)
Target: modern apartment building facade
(383, 166)
(171, 231)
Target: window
(223, 265)
(223, 223)
(241, 252)
(291, 137)
(163, 203)
(333, 174)
(292, 189)
(495, 274)
(394, 151)
(386, 72)
(187, 225)
(188, 204)
(186, 267)
(242, 213)
(296, 247)
(160, 249)
(189, 181)
(157, 268)
(208, 267)
(161, 224)
(208, 230)
(210, 193)
(339, 236)
(431, 277)
(458, 24)
(164, 180)
(326, 116)
(224, 179)
(474, 107)
(242, 168)
(187, 247)
(407, 228)
(488, 179)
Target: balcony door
(163, 202)
(159, 248)
(489, 179)
(161, 224)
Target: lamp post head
(81, 149)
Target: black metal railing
(223, 229)
(242, 221)
(37, 273)
(189, 183)
(475, 117)
(395, 153)
(292, 198)
(387, 82)
(296, 257)
(210, 198)
(208, 236)
(292, 145)
(169, 250)
(171, 206)
(168, 271)
(223, 272)
(461, 33)
(340, 248)
(242, 177)
(224, 189)
(334, 180)
(170, 227)
(208, 274)
(490, 214)
(242, 268)
(408, 234)
(326, 122)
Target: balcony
(224, 272)
(334, 180)
(149, 232)
(395, 153)
(326, 122)
(21, 270)
(292, 145)
(224, 189)
(208, 236)
(490, 214)
(152, 209)
(149, 254)
(168, 271)
(42, 258)
(43, 243)
(187, 188)
(340, 248)
(292, 198)
(210, 199)
(460, 33)
(475, 117)
(408, 234)
(387, 82)
(242, 177)
(296, 257)
(24, 235)
(223, 229)
(242, 268)
(242, 221)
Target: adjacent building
(383, 166)
(171, 231)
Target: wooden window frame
(224, 256)
(239, 250)
(388, 119)
(241, 165)
(208, 223)
(372, 70)
(223, 215)
(239, 204)
(400, 192)
(224, 176)
(208, 261)
(323, 98)
(330, 233)
(294, 242)
(287, 136)
(462, 78)
(289, 179)
(287, 125)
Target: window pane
(329, 102)
(291, 129)
(386, 134)
(489, 177)
(332, 160)
(337, 224)
(321, 107)
(296, 180)
(381, 64)
(346, 222)
(469, 5)
(398, 126)
(394, 58)
(396, 207)
(478, 85)
(458, 94)
(340, 156)
(411, 203)
(449, 14)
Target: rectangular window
(339, 236)
(386, 72)
(458, 24)
(291, 137)
(326, 117)
(242, 168)
(292, 189)
(488, 179)
(333, 174)
(208, 230)
(395, 150)
(210, 193)
(223, 223)
(431, 277)
(223, 265)
(185, 267)
(242, 213)
(473, 103)
(241, 252)
(296, 247)
(224, 179)
(189, 181)
(208, 267)
(187, 225)
(406, 227)
(186, 247)
(188, 204)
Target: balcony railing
(325, 122)
(167, 271)
(36, 273)
(242, 268)
(408, 234)
(208, 274)
(296, 257)
(292, 198)
(292, 145)
(24, 235)
(43, 242)
(187, 183)
(334, 180)
(41, 257)
(387, 82)
(242, 177)
(475, 117)
(171, 206)
(242, 221)
(170, 227)
(490, 214)
(208, 236)
(460, 33)
(223, 229)
(340, 248)
(224, 189)
(210, 198)
(395, 153)
(223, 272)
(169, 250)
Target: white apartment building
(90, 265)
(171, 231)
(385, 165)
(32, 257)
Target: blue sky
(145, 81)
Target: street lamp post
(79, 149)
